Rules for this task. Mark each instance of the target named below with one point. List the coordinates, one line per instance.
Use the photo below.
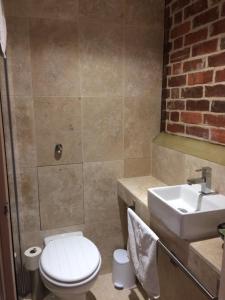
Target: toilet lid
(70, 259)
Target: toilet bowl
(69, 265)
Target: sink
(184, 211)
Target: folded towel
(3, 31)
(142, 250)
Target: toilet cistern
(205, 180)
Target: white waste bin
(123, 276)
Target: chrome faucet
(205, 180)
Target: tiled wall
(194, 74)
(174, 167)
(85, 74)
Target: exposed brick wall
(193, 98)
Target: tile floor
(104, 290)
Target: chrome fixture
(205, 180)
(58, 151)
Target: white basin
(185, 212)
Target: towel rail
(187, 272)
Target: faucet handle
(199, 170)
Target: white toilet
(69, 265)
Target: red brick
(192, 92)
(178, 43)
(191, 117)
(165, 93)
(215, 91)
(167, 2)
(195, 8)
(178, 17)
(176, 105)
(180, 29)
(198, 131)
(179, 4)
(177, 81)
(180, 55)
(175, 93)
(177, 68)
(205, 47)
(222, 44)
(200, 77)
(218, 27)
(197, 105)
(220, 75)
(206, 17)
(218, 135)
(175, 128)
(216, 60)
(218, 106)
(174, 116)
(223, 10)
(214, 120)
(193, 65)
(196, 36)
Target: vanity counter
(203, 258)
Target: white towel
(142, 250)
(3, 30)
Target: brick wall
(193, 98)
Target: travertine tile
(58, 121)
(54, 9)
(29, 217)
(139, 123)
(61, 196)
(168, 165)
(25, 132)
(107, 236)
(100, 192)
(145, 12)
(107, 10)
(102, 129)
(55, 58)
(143, 60)
(135, 167)
(18, 57)
(16, 8)
(101, 59)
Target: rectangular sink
(184, 211)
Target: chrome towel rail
(187, 272)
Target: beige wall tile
(101, 59)
(168, 165)
(135, 167)
(102, 129)
(55, 58)
(107, 10)
(145, 12)
(61, 196)
(100, 191)
(18, 57)
(139, 123)
(54, 9)
(25, 132)
(58, 121)
(16, 8)
(143, 60)
(29, 217)
(107, 236)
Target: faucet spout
(191, 181)
(204, 180)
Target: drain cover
(183, 210)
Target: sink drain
(183, 210)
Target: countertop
(203, 256)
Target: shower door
(7, 275)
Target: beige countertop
(203, 256)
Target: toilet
(69, 265)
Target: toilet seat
(70, 261)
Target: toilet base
(74, 297)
